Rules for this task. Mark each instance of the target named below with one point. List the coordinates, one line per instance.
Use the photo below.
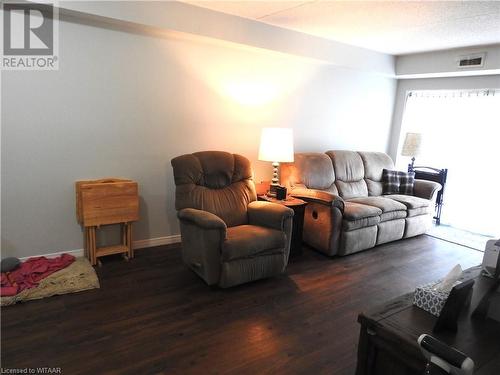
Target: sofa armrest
(426, 189)
(267, 214)
(202, 219)
(318, 196)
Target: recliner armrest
(267, 214)
(426, 189)
(318, 196)
(203, 219)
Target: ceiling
(394, 27)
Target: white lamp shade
(412, 145)
(276, 145)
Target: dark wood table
(298, 206)
(388, 336)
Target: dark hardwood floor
(152, 315)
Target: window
(460, 132)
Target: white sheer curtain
(461, 132)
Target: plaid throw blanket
(397, 182)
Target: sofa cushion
(348, 225)
(374, 163)
(420, 211)
(358, 215)
(415, 205)
(312, 170)
(352, 189)
(393, 215)
(349, 174)
(410, 201)
(247, 240)
(391, 209)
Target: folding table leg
(93, 255)
(129, 235)
(123, 228)
(85, 243)
(88, 236)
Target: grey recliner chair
(228, 237)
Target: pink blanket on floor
(30, 272)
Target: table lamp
(276, 145)
(412, 147)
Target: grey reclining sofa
(347, 211)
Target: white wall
(123, 104)
(450, 83)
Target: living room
(133, 85)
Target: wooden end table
(298, 206)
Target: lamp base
(411, 166)
(275, 180)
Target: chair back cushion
(312, 170)
(375, 163)
(349, 174)
(215, 181)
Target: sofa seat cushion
(358, 215)
(415, 205)
(391, 209)
(244, 241)
(420, 211)
(410, 201)
(393, 215)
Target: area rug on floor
(459, 236)
(78, 276)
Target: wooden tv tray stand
(104, 202)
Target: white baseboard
(159, 241)
(76, 253)
(140, 244)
